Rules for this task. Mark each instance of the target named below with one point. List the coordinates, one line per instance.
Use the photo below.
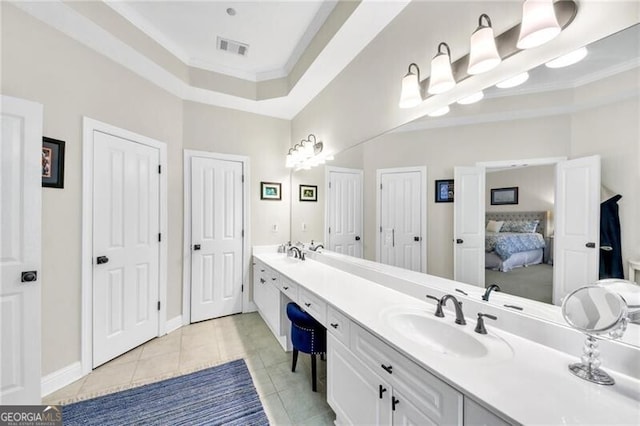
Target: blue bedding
(507, 243)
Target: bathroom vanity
(391, 361)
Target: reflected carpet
(224, 394)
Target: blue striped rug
(219, 395)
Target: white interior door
(577, 225)
(20, 202)
(216, 237)
(402, 212)
(344, 211)
(468, 225)
(126, 245)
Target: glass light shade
(441, 79)
(539, 24)
(513, 81)
(410, 95)
(568, 59)
(472, 99)
(439, 112)
(483, 54)
(290, 161)
(307, 149)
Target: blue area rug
(219, 395)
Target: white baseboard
(61, 378)
(174, 323)
(250, 308)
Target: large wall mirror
(586, 109)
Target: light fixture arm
(445, 45)
(413, 64)
(488, 23)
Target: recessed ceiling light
(231, 11)
(439, 112)
(472, 99)
(568, 59)
(513, 81)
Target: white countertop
(533, 386)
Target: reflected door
(344, 211)
(20, 181)
(126, 245)
(216, 237)
(468, 225)
(577, 225)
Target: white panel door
(468, 225)
(20, 181)
(577, 225)
(126, 246)
(216, 238)
(401, 212)
(344, 212)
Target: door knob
(416, 238)
(591, 245)
(357, 237)
(196, 247)
(459, 241)
(102, 259)
(29, 276)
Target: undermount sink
(442, 335)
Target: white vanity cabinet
(476, 415)
(270, 302)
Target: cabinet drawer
(315, 306)
(288, 288)
(438, 401)
(338, 325)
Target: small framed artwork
(502, 196)
(308, 193)
(270, 191)
(52, 163)
(444, 191)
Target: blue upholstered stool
(308, 336)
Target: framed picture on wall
(308, 193)
(444, 191)
(502, 196)
(270, 191)
(52, 163)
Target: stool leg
(295, 360)
(313, 373)
(322, 357)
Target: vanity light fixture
(441, 79)
(472, 99)
(410, 95)
(483, 53)
(539, 24)
(306, 154)
(568, 59)
(439, 112)
(514, 81)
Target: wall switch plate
(304, 227)
(274, 227)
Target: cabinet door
(259, 285)
(407, 413)
(475, 415)
(355, 393)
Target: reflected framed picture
(502, 196)
(309, 193)
(270, 191)
(52, 163)
(444, 191)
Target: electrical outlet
(304, 227)
(274, 227)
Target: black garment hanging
(610, 246)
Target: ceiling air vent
(232, 46)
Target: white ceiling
(277, 32)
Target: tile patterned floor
(287, 397)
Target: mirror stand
(589, 368)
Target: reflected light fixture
(483, 53)
(514, 81)
(410, 95)
(472, 99)
(439, 112)
(441, 79)
(306, 154)
(568, 59)
(539, 24)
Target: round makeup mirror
(594, 309)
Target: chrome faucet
(297, 253)
(316, 247)
(457, 305)
(487, 292)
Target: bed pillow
(519, 226)
(494, 225)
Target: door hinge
(158, 305)
(380, 186)
(159, 168)
(329, 229)
(329, 185)
(242, 288)
(159, 237)
(243, 178)
(381, 229)
(242, 233)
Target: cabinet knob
(334, 325)
(381, 390)
(590, 245)
(262, 280)
(307, 305)
(387, 368)
(394, 401)
(285, 288)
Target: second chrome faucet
(456, 304)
